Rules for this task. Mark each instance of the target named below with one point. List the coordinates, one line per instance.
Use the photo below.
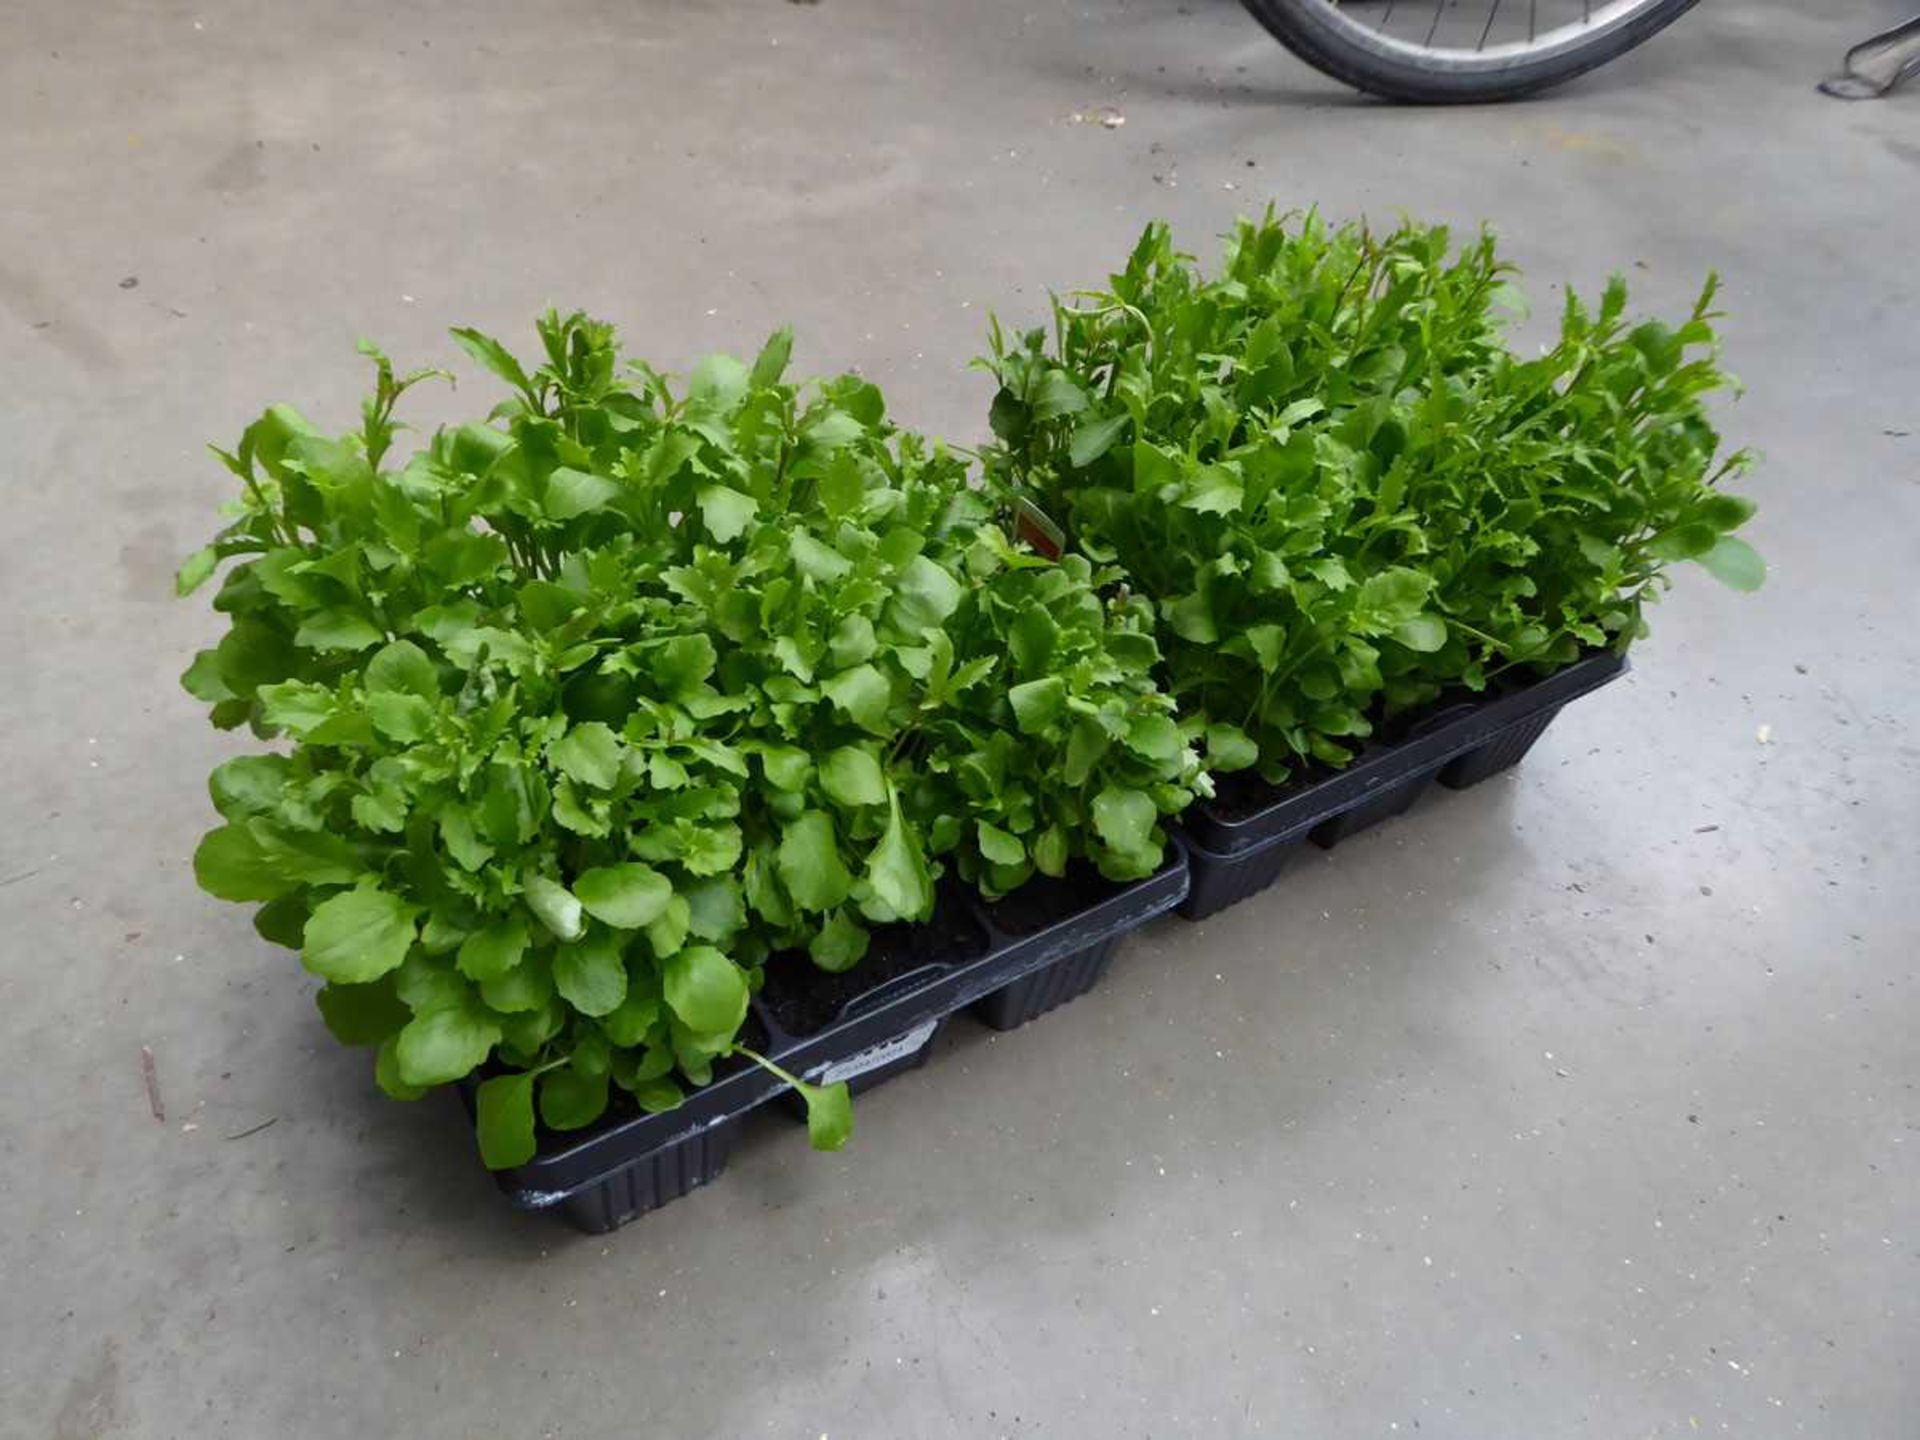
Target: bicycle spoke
(1487, 29)
(1483, 29)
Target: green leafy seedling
(829, 1107)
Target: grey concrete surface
(1579, 1105)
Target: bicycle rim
(1469, 35)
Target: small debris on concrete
(151, 1073)
(132, 282)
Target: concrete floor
(1580, 1105)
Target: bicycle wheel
(1458, 51)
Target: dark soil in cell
(1045, 901)
(802, 998)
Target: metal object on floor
(1874, 67)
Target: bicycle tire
(1313, 33)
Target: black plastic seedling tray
(1239, 842)
(1008, 961)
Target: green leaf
(503, 1121)
(1268, 643)
(897, 876)
(196, 571)
(495, 356)
(1050, 852)
(1684, 542)
(771, 363)
(809, 862)
(718, 382)
(625, 896)
(404, 667)
(1009, 417)
(1423, 633)
(832, 430)
(1000, 847)
(1727, 512)
(230, 865)
(667, 931)
(280, 922)
(1096, 435)
(337, 630)
(528, 986)
(862, 695)
(578, 812)
(1331, 572)
(1032, 638)
(787, 768)
(386, 1072)
(1125, 819)
(716, 909)
(554, 907)
(705, 990)
(1389, 600)
(572, 493)
(1212, 490)
(401, 717)
(1732, 561)
(445, 1045)
(852, 641)
(1154, 736)
(851, 776)
(296, 706)
(727, 512)
(462, 840)
(202, 679)
(547, 606)
(362, 1014)
(525, 1033)
(590, 974)
(493, 950)
(589, 753)
(1191, 617)
(312, 857)
(1230, 748)
(829, 1114)
(657, 1096)
(840, 944)
(924, 595)
(1038, 703)
(358, 935)
(381, 808)
(627, 1024)
(430, 982)
(1056, 395)
(683, 664)
(817, 562)
(571, 1099)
